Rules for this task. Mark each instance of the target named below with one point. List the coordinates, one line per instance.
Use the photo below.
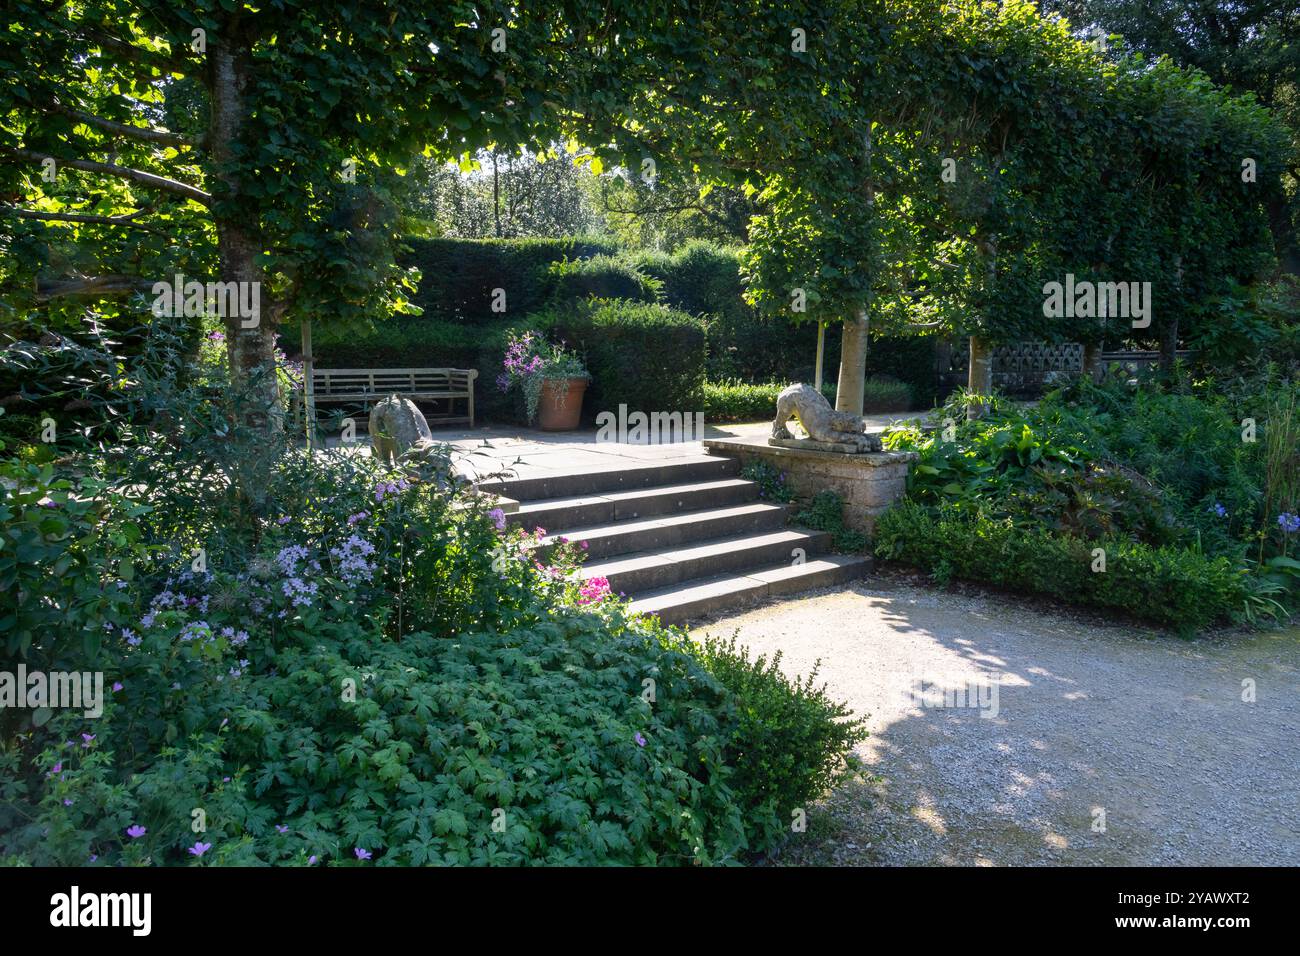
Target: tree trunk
(1284, 233)
(980, 378)
(1169, 327)
(853, 365)
(250, 342)
(496, 196)
(1168, 345)
(1092, 361)
(250, 335)
(851, 389)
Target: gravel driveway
(1052, 728)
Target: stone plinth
(869, 482)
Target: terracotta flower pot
(560, 407)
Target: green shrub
(1172, 586)
(1014, 463)
(458, 276)
(826, 513)
(791, 742)
(700, 277)
(600, 277)
(62, 553)
(641, 354)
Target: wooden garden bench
(367, 385)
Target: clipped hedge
(700, 278)
(458, 275)
(600, 277)
(543, 278)
(733, 401)
(1171, 586)
(744, 402)
(644, 355)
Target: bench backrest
(372, 381)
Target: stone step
(668, 531)
(622, 478)
(641, 573)
(557, 514)
(677, 604)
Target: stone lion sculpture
(395, 426)
(819, 420)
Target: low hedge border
(1175, 587)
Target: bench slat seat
(372, 384)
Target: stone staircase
(683, 539)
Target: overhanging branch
(127, 221)
(115, 284)
(124, 172)
(146, 133)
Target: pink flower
(593, 590)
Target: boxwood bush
(789, 737)
(1172, 586)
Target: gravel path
(1087, 717)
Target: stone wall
(868, 483)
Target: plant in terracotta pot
(553, 380)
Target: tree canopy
(930, 162)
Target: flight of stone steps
(683, 540)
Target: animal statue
(819, 420)
(395, 425)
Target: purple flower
(1219, 510)
(1290, 522)
(198, 849)
(86, 739)
(362, 854)
(640, 741)
(135, 831)
(117, 686)
(498, 518)
(281, 828)
(283, 521)
(311, 860)
(67, 801)
(216, 337)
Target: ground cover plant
(1164, 481)
(332, 663)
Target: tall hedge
(459, 275)
(644, 355)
